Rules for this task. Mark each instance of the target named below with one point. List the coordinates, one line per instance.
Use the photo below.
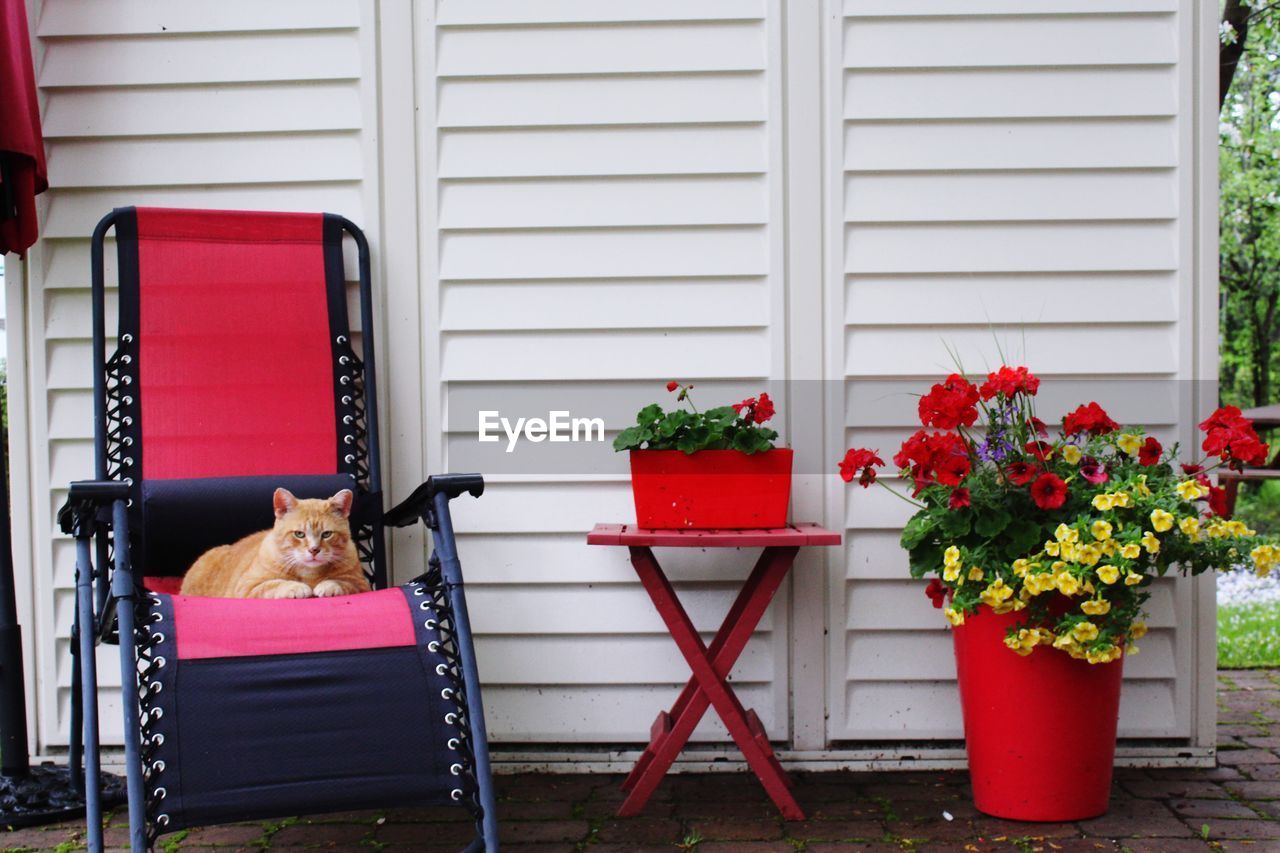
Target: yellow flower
(1096, 607)
(1053, 549)
(1089, 555)
(951, 556)
(1132, 650)
(1067, 583)
(1189, 526)
(1065, 642)
(1084, 632)
(1190, 490)
(1132, 551)
(996, 593)
(1264, 559)
(1020, 567)
(1038, 583)
(1101, 530)
(1071, 453)
(1107, 655)
(1121, 499)
(955, 617)
(1150, 542)
(1103, 502)
(1066, 534)
(1138, 631)
(1162, 520)
(1132, 579)
(975, 573)
(951, 574)
(1070, 552)
(1142, 488)
(1108, 574)
(1129, 443)
(1110, 548)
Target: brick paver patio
(1233, 807)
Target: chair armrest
(84, 497)
(420, 502)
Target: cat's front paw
(327, 589)
(290, 589)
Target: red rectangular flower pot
(711, 489)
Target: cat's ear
(342, 502)
(283, 501)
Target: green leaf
(956, 523)
(649, 414)
(693, 440)
(920, 526)
(992, 523)
(1022, 537)
(629, 439)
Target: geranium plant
(736, 427)
(1068, 528)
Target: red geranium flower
(959, 499)
(937, 592)
(934, 458)
(1230, 437)
(1009, 381)
(1149, 453)
(1225, 416)
(673, 385)
(1191, 469)
(763, 410)
(749, 403)
(1089, 418)
(1048, 491)
(1093, 471)
(950, 404)
(1217, 501)
(1039, 427)
(1021, 473)
(859, 459)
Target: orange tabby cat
(308, 552)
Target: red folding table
(709, 684)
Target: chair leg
(123, 592)
(75, 750)
(89, 694)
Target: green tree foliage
(1249, 251)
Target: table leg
(711, 686)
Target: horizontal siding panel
(165, 18)
(1016, 40)
(589, 304)
(594, 49)
(1097, 143)
(204, 60)
(234, 160)
(1012, 298)
(589, 355)
(949, 8)
(191, 110)
(643, 201)
(604, 253)
(952, 93)
(510, 660)
(564, 152)
(1011, 247)
(454, 13)
(1011, 196)
(601, 100)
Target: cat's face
(311, 534)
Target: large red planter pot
(1040, 730)
(720, 489)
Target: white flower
(1226, 33)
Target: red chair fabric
(23, 174)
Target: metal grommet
(455, 769)
(447, 693)
(161, 793)
(159, 636)
(343, 360)
(157, 713)
(157, 739)
(127, 421)
(157, 616)
(442, 669)
(163, 820)
(127, 400)
(160, 662)
(155, 599)
(128, 460)
(426, 605)
(345, 380)
(430, 624)
(417, 590)
(126, 379)
(450, 719)
(456, 794)
(349, 458)
(346, 400)
(128, 481)
(158, 766)
(128, 441)
(127, 338)
(342, 339)
(348, 439)
(155, 686)
(452, 743)
(128, 502)
(347, 419)
(126, 359)
(433, 647)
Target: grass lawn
(1249, 635)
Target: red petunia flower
(1093, 471)
(1048, 491)
(673, 385)
(1041, 450)
(763, 409)
(937, 592)
(1089, 418)
(1009, 381)
(1191, 469)
(950, 404)
(1149, 453)
(1021, 473)
(861, 462)
(959, 499)
(1039, 427)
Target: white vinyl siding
(1003, 175)
(259, 106)
(603, 197)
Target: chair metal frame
(97, 515)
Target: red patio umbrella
(22, 167)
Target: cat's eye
(298, 534)
(327, 534)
